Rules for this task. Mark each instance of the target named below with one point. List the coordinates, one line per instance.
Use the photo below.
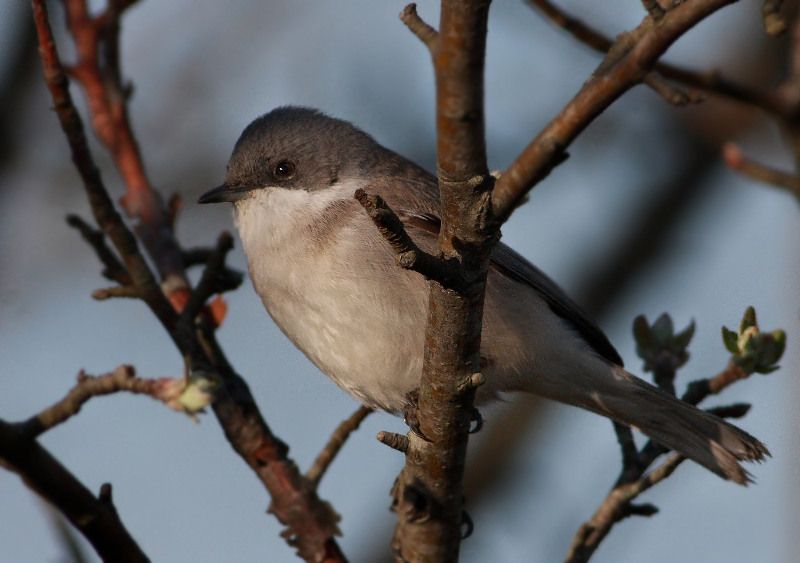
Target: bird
(331, 283)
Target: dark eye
(284, 170)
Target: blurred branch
(736, 160)
(20, 58)
(310, 522)
(710, 82)
(337, 440)
(95, 518)
(73, 551)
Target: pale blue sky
(201, 74)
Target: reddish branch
(96, 518)
(310, 522)
(97, 70)
(737, 161)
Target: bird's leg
(467, 525)
(410, 413)
(477, 420)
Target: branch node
(408, 255)
(120, 291)
(774, 23)
(471, 382)
(424, 32)
(654, 9)
(395, 441)
(105, 495)
(736, 160)
(671, 93)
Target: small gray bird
(330, 281)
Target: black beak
(224, 193)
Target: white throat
(278, 217)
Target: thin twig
(121, 379)
(736, 160)
(335, 443)
(123, 291)
(671, 93)
(212, 281)
(409, 255)
(630, 453)
(397, 442)
(615, 507)
(113, 270)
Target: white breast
(337, 294)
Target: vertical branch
(428, 495)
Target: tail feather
(677, 425)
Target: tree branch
(409, 255)
(616, 506)
(102, 206)
(710, 82)
(629, 60)
(97, 520)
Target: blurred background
(643, 218)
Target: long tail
(700, 436)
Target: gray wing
(414, 197)
(513, 265)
